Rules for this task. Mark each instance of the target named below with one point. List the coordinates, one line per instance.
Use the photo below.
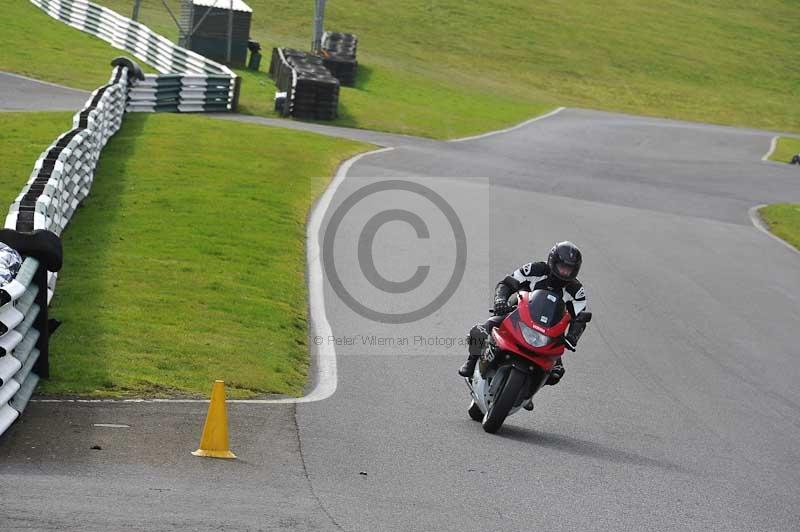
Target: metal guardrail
(192, 83)
(61, 179)
(181, 93)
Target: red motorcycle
(519, 356)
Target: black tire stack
(339, 56)
(280, 71)
(311, 91)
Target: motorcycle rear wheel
(500, 408)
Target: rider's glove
(574, 333)
(501, 307)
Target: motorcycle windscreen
(546, 307)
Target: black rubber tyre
(474, 412)
(497, 413)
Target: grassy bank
(39, 46)
(23, 137)
(783, 219)
(787, 148)
(450, 68)
(186, 263)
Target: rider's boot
(556, 373)
(528, 405)
(475, 341)
(468, 368)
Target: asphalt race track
(18, 93)
(678, 412)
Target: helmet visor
(565, 271)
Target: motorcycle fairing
(508, 336)
(508, 355)
(483, 386)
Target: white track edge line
(512, 128)
(772, 145)
(20, 76)
(326, 378)
(755, 219)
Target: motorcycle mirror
(583, 317)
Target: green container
(255, 61)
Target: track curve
(679, 410)
(19, 93)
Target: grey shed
(204, 29)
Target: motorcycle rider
(559, 273)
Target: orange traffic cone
(214, 441)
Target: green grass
(186, 264)
(185, 269)
(787, 148)
(37, 45)
(450, 68)
(23, 138)
(783, 219)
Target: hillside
(450, 67)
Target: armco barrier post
(42, 324)
(319, 24)
(44, 246)
(136, 5)
(237, 86)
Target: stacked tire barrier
(181, 93)
(339, 56)
(18, 343)
(24, 323)
(311, 91)
(63, 174)
(191, 82)
(61, 179)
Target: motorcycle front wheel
(499, 409)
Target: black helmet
(565, 261)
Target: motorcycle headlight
(533, 337)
